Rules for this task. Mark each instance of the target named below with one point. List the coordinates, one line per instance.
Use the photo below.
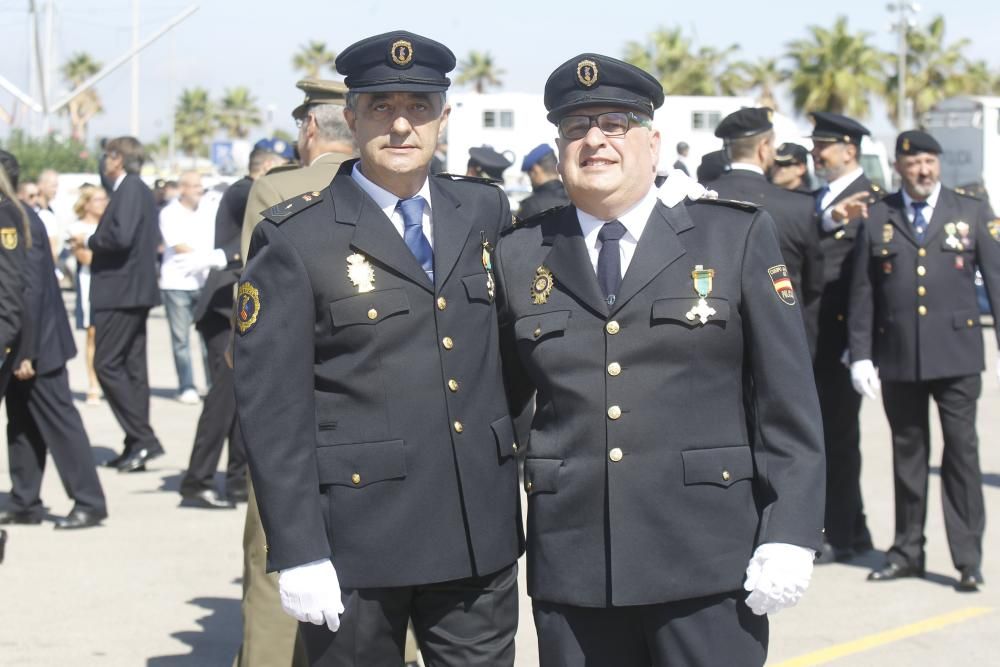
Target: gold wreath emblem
(402, 52)
(586, 72)
(248, 299)
(542, 286)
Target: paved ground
(159, 585)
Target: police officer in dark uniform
(13, 222)
(484, 162)
(836, 153)
(749, 138)
(547, 190)
(676, 426)
(914, 317)
(791, 168)
(369, 386)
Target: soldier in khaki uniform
(324, 142)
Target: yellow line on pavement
(881, 638)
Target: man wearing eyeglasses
(675, 466)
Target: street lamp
(905, 12)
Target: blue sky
(251, 42)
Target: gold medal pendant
(702, 280)
(952, 240)
(360, 273)
(491, 286)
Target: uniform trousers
(907, 409)
(713, 630)
(41, 417)
(120, 362)
(845, 522)
(218, 418)
(467, 622)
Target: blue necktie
(412, 210)
(609, 259)
(819, 198)
(919, 221)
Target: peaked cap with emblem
(789, 153)
(319, 91)
(914, 142)
(745, 123)
(398, 62)
(593, 80)
(837, 128)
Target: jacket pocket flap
(721, 466)
(369, 308)
(677, 309)
(965, 319)
(538, 326)
(361, 464)
(503, 430)
(541, 475)
(883, 250)
(476, 288)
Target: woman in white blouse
(88, 208)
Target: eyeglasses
(611, 123)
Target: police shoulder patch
(782, 284)
(247, 306)
(279, 213)
(8, 238)
(749, 207)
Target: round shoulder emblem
(586, 72)
(402, 52)
(248, 300)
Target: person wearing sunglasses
(674, 470)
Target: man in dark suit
(122, 290)
(41, 417)
(914, 317)
(547, 190)
(369, 387)
(676, 436)
(836, 153)
(749, 139)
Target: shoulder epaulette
(535, 218)
(281, 212)
(470, 179)
(277, 169)
(749, 207)
(971, 194)
(878, 191)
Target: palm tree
(194, 121)
(835, 70)
(313, 58)
(479, 70)
(763, 76)
(670, 57)
(238, 113)
(87, 104)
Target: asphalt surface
(159, 585)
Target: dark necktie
(412, 210)
(919, 221)
(819, 198)
(609, 260)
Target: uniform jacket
(50, 344)
(837, 250)
(375, 421)
(913, 308)
(662, 450)
(545, 196)
(12, 271)
(217, 293)
(123, 271)
(798, 233)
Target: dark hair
(548, 163)
(10, 165)
(130, 151)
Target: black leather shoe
(237, 495)
(3, 543)
(206, 499)
(136, 462)
(80, 519)
(22, 517)
(969, 580)
(116, 461)
(831, 554)
(893, 571)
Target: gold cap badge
(402, 52)
(586, 72)
(906, 144)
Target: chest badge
(702, 280)
(963, 233)
(887, 232)
(491, 286)
(952, 241)
(360, 272)
(542, 286)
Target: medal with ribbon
(488, 265)
(702, 280)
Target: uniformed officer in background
(749, 142)
(836, 154)
(369, 387)
(914, 325)
(676, 425)
(484, 162)
(15, 235)
(547, 190)
(791, 168)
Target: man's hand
(777, 576)
(195, 262)
(311, 592)
(864, 377)
(25, 371)
(850, 208)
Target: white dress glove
(864, 377)
(679, 185)
(311, 592)
(777, 576)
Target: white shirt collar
(838, 185)
(931, 200)
(634, 220)
(746, 166)
(384, 199)
(118, 181)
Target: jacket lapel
(658, 248)
(569, 262)
(897, 216)
(450, 231)
(946, 211)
